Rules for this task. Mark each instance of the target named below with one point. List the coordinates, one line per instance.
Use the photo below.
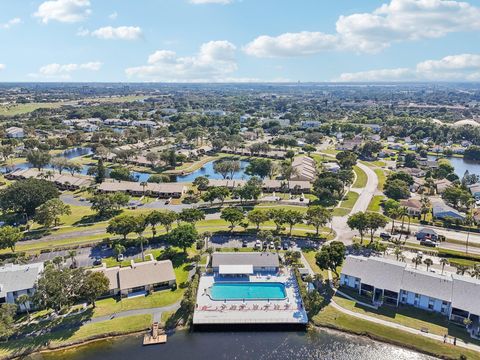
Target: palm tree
(425, 201)
(444, 262)
(428, 262)
(24, 300)
(398, 252)
(144, 184)
(461, 269)
(417, 260)
(468, 222)
(71, 255)
(475, 272)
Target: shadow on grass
(96, 218)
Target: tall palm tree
(143, 184)
(398, 252)
(444, 262)
(425, 201)
(461, 269)
(428, 262)
(475, 272)
(417, 260)
(24, 300)
(71, 255)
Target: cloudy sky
(239, 40)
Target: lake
(241, 346)
(461, 165)
(207, 170)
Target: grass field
(18, 109)
(332, 318)
(84, 332)
(381, 178)
(349, 200)
(361, 179)
(375, 203)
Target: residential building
(349, 144)
(395, 283)
(17, 280)
(413, 206)
(63, 181)
(475, 190)
(162, 190)
(331, 166)
(15, 132)
(440, 210)
(139, 278)
(252, 262)
(305, 169)
(310, 124)
(442, 185)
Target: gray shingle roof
(257, 259)
(18, 277)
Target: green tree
(118, 249)
(122, 225)
(38, 158)
(122, 174)
(94, 285)
(232, 215)
(257, 217)
(49, 213)
(183, 236)
(7, 323)
(259, 167)
(375, 221)
(101, 172)
(191, 215)
(359, 222)
(331, 256)
(293, 217)
(428, 262)
(26, 195)
(278, 217)
(318, 216)
(9, 236)
(201, 182)
(167, 219)
(24, 301)
(396, 189)
(346, 159)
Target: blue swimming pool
(248, 291)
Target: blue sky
(239, 40)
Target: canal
(241, 346)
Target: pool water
(248, 291)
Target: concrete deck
(285, 311)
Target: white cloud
(291, 44)
(215, 61)
(113, 15)
(64, 71)
(400, 74)
(67, 11)
(200, 2)
(461, 67)
(399, 20)
(2, 67)
(115, 33)
(10, 23)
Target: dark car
(429, 243)
(244, 243)
(97, 261)
(265, 245)
(385, 236)
(285, 246)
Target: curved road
(339, 223)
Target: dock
(155, 336)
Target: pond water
(207, 170)
(241, 346)
(461, 165)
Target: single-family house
(413, 206)
(15, 132)
(440, 210)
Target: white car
(258, 244)
(120, 257)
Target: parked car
(168, 201)
(244, 243)
(265, 245)
(385, 236)
(120, 257)
(97, 261)
(429, 243)
(258, 244)
(271, 245)
(279, 246)
(285, 246)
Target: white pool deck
(286, 311)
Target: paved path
(155, 312)
(390, 324)
(339, 223)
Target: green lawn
(76, 335)
(332, 318)
(17, 109)
(409, 316)
(361, 179)
(349, 200)
(381, 178)
(340, 211)
(375, 203)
